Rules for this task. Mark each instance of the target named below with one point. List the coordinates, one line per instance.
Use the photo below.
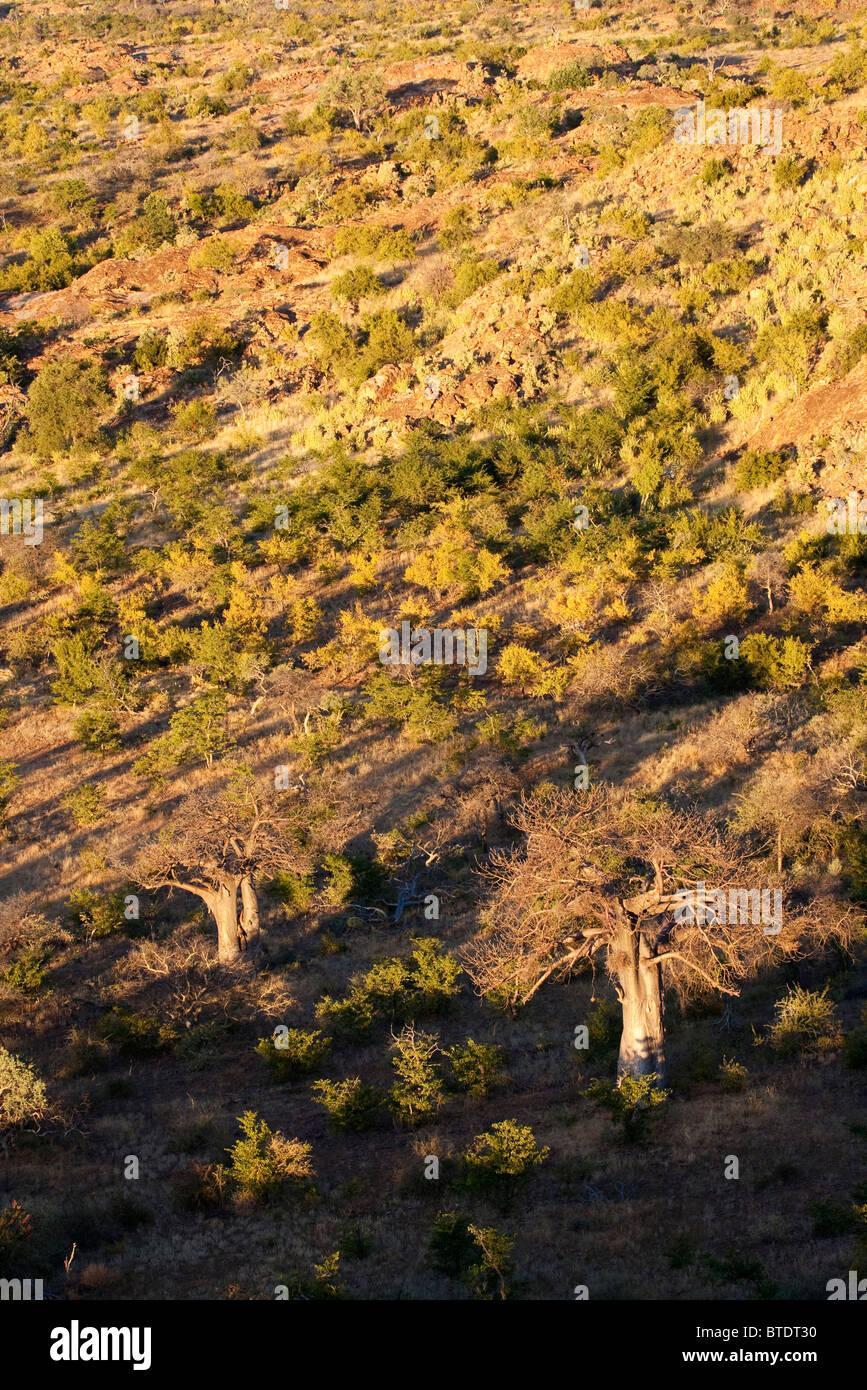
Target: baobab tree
(602, 876)
(216, 846)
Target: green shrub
(204, 342)
(335, 346)
(355, 241)
(569, 78)
(486, 1278)
(27, 974)
(325, 1284)
(71, 195)
(244, 135)
(202, 104)
(351, 1104)
(195, 419)
(23, 1097)
(648, 129)
(51, 264)
(790, 346)
(293, 1053)
(196, 733)
(265, 1163)
(630, 1102)
(97, 914)
(850, 352)
(733, 1075)
(236, 79)
(99, 546)
(16, 1229)
(295, 890)
(788, 85)
(848, 71)
(604, 1025)
(11, 368)
(806, 1023)
(352, 1017)
(502, 1159)
(417, 1094)
(349, 200)
(680, 1253)
(129, 1213)
(356, 1243)
(451, 1246)
(79, 675)
(790, 171)
(775, 663)
(395, 246)
(433, 978)
(379, 242)
(98, 731)
(476, 1067)
(456, 227)
(729, 95)
(85, 804)
(395, 990)
(758, 467)
(471, 274)
(151, 351)
(387, 340)
(135, 1035)
(358, 283)
(728, 277)
(714, 169)
(357, 92)
(340, 877)
(9, 784)
(155, 227)
(200, 1045)
(737, 1268)
(698, 246)
(454, 1250)
(224, 205)
(65, 403)
(214, 253)
(423, 717)
(574, 294)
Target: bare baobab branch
(569, 887)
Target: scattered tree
(65, 403)
(601, 874)
(359, 92)
(214, 848)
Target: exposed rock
(539, 63)
(382, 385)
(837, 406)
(424, 76)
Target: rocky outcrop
(539, 63)
(837, 407)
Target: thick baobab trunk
(642, 1043)
(251, 934)
(223, 905)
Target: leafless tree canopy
(597, 873)
(239, 831)
(215, 848)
